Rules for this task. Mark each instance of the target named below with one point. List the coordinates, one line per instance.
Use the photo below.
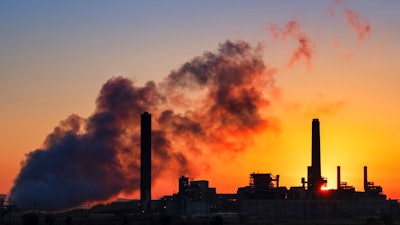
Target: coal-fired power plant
(265, 199)
(145, 160)
(214, 105)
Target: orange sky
(54, 65)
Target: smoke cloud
(211, 105)
(357, 22)
(293, 30)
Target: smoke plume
(357, 22)
(211, 105)
(293, 29)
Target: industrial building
(193, 199)
(264, 199)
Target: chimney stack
(277, 181)
(316, 179)
(338, 178)
(365, 179)
(145, 160)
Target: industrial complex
(262, 200)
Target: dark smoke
(211, 105)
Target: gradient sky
(55, 56)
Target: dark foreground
(78, 218)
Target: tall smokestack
(338, 178)
(315, 156)
(145, 160)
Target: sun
(324, 188)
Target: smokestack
(315, 156)
(277, 181)
(365, 178)
(145, 160)
(338, 178)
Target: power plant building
(195, 198)
(264, 199)
(311, 200)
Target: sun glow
(324, 188)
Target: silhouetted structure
(145, 160)
(315, 181)
(183, 184)
(369, 187)
(264, 199)
(338, 179)
(193, 199)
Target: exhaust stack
(145, 160)
(338, 178)
(315, 179)
(365, 178)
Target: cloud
(97, 158)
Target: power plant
(264, 199)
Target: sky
(55, 56)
